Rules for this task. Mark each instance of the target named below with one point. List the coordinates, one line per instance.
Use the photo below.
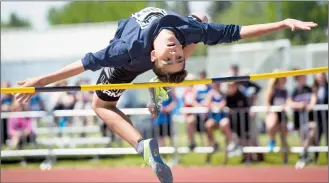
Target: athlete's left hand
(294, 24)
(31, 82)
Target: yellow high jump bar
(252, 77)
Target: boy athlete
(154, 39)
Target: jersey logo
(147, 15)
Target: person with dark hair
(152, 39)
(217, 118)
(320, 88)
(302, 102)
(277, 95)
(245, 86)
(239, 117)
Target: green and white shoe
(158, 95)
(153, 159)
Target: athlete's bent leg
(116, 120)
(122, 126)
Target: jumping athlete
(154, 39)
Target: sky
(36, 11)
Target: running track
(181, 174)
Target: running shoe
(153, 159)
(158, 95)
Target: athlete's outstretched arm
(213, 33)
(114, 55)
(63, 73)
(259, 30)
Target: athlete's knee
(201, 16)
(97, 103)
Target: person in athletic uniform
(277, 95)
(151, 39)
(216, 101)
(163, 123)
(302, 102)
(201, 93)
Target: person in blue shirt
(151, 39)
(163, 124)
(216, 102)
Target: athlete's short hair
(176, 77)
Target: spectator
(19, 129)
(302, 102)
(201, 92)
(320, 87)
(216, 100)
(83, 102)
(250, 90)
(62, 101)
(6, 102)
(239, 117)
(164, 121)
(276, 95)
(189, 99)
(36, 103)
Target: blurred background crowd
(229, 107)
(40, 37)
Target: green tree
(15, 22)
(99, 11)
(306, 11)
(244, 13)
(218, 6)
(181, 7)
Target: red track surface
(181, 174)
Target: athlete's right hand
(31, 82)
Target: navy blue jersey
(133, 41)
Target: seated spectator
(163, 124)
(320, 87)
(198, 124)
(302, 102)
(6, 102)
(19, 129)
(83, 101)
(36, 103)
(193, 97)
(276, 95)
(216, 101)
(239, 117)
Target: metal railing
(45, 135)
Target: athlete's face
(168, 54)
